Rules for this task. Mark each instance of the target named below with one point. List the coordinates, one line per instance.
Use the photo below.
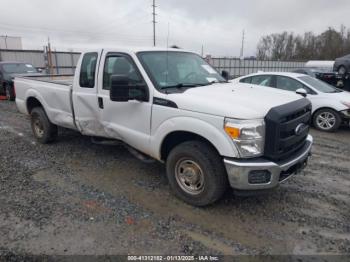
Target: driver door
(128, 121)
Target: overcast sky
(216, 24)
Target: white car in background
(330, 105)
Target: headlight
(248, 135)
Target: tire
(10, 93)
(327, 120)
(204, 166)
(43, 130)
(342, 70)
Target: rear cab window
(88, 70)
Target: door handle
(100, 102)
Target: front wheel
(327, 120)
(196, 173)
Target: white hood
(234, 100)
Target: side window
(288, 84)
(119, 65)
(262, 80)
(247, 80)
(88, 70)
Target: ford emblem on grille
(299, 129)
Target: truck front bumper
(260, 174)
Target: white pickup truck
(170, 105)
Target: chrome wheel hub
(189, 176)
(326, 120)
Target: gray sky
(218, 25)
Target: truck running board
(105, 141)
(112, 142)
(139, 155)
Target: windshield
(178, 69)
(19, 68)
(319, 85)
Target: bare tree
(287, 46)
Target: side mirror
(119, 91)
(225, 74)
(301, 91)
(123, 89)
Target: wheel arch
(33, 102)
(322, 108)
(180, 129)
(177, 137)
(342, 65)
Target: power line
(154, 22)
(95, 35)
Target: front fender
(334, 104)
(217, 137)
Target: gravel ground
(75, 197)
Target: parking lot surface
(76, 197)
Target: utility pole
(154, 22)
(242, 47)
(202, 51)
(6, 41)
(49, 55)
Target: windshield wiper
(184, 85)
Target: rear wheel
(196, 173)
(43, 130)
(10, 93)
(327, 120)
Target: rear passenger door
(85, 101)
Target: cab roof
(140, 49)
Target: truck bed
(54, 92)
(55, 79)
